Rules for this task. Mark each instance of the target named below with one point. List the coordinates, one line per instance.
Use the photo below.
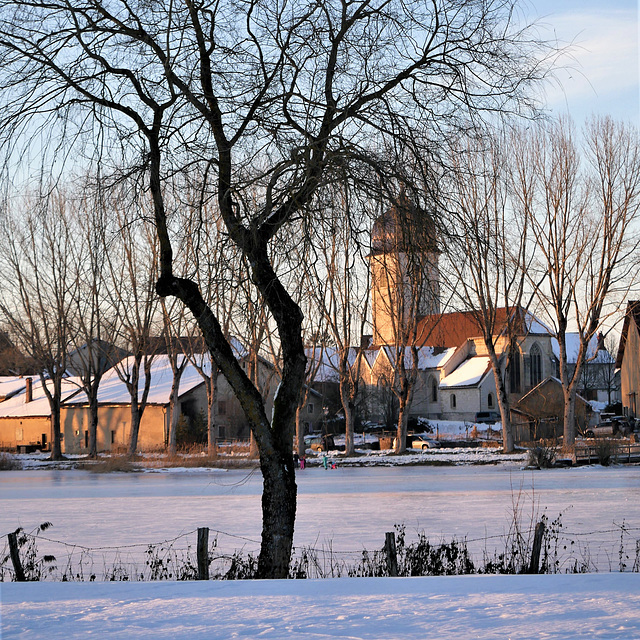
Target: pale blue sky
(601, 75)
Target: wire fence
(37, 556)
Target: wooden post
(391, 553)
(534, 565)
(15, 557)
(203, 553)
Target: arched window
(490, 401)
(514, 369)
(434, 389)
(535, 355)
(453, 400)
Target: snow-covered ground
(595, 606)
(345, 509)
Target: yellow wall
(630, 372)
(24, 431)
(114, 428)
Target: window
(453, 401)
(490, 400)
(222, 407)
(514, 370)
(536, 365)
(113, 437)
(434, 390)
(310, 408)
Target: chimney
(28, 391)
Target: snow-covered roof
(468, 374)
(534, 325)
(327, 361)
(10, 385)
(16, 407)
(572, 340)
(113, 390)
(428, 357)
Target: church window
(434, 390)
(514, 370)
(490, 400)
(453, 401)
(536, 365)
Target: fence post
(391, 554)
(15, 557)
(203, 553)
(534, 566)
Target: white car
(419, 441)
(423, 442)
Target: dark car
(487, 417)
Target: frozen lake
(347, 509)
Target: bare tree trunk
(212, 399)
(569, 416)
(135, 430)
(299, 448)
(56, 441)
(93, 425)
(174, 414)
(508, 445)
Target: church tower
(404, 272)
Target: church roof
(454, 329)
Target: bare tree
(262, 96)
(488, 253)
(39, 240)
(95, 351)
(175, 344)
(583, 221)
(131, 294)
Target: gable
(631, 319)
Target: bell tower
(404, 271)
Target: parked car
(419, 441)
(487, 417)
(617, 425)
(422, 442)
(318, 442)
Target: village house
(628, 360)
(25, 414)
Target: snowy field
(595, 606)
(346, 510)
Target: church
(455, 380)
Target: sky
(600, 72)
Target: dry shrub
(9, 463)
(112, 464)
(541, 457)
(605, 449)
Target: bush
(9, 463)
(541, 457)
(112, 464)
(604, 451)
(190, 431)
